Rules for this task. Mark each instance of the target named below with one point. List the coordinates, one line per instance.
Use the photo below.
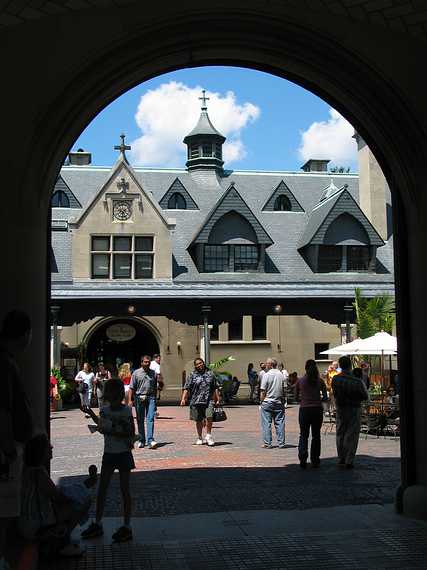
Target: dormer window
(282, 204)
(60, 200)
(177, 202)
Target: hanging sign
(120, 332)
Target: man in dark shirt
(143, 388)
(349, 392)
(202, 388)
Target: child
(115, 422)
(48, 513)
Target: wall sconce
(178, 346)
(278, 309)
(131, 309)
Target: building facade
(139, 255)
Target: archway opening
(120, 340)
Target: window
(282, 204)
(177, 202)
(216, 258)
(330, 258)
(194, 151)
(343, 258)
(122, 257)
(318, 348)
(357, 258)
(235, 329)
(214, 334)
(245, 257)
(259, 328)
(207, 149)
(60, 200)
(231, 258)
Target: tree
(373, 315)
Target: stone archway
(120, 47)
(117, 340)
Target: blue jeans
(145, 409)
(273, 412)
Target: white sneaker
(141, 445)
(153, 444)
(210, 440)
(199, 441)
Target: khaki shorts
(200, 412)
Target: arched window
(282, 204)
(177, 202)
(60, 200)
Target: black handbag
(81, 387)
(219, 414)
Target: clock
(122, 210)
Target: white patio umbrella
(348, 348)
(380, 344)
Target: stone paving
(237, 506)
(236, 474)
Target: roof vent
(79, 158)
(316, 165)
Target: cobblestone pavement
(363, 550)
(236, 474)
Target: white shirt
(114, 422)
(86, 377)
(155, 366)
(272, 383)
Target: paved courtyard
(236, 474)
(237, 506)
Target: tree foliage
(373, 315)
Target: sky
(270, 123)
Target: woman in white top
(84, 381)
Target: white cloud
(167, 114)
(329, 139)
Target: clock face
(122, 210)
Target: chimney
(373, 189)
(79, 158)
(316, 165)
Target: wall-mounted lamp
(178, 346)
(131, 309)
(278, 309)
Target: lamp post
(56, 357)
(348, 313)
(206, 309)
(278, 311)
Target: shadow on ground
(204, 490)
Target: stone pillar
(25, 285)
(411, 277)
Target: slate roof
(286, 229)
(204, 127)
(332, 205)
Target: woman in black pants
(310, 392)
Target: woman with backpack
(84, 381)
(310, 392)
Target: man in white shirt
(272, 404)
(155, 366)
